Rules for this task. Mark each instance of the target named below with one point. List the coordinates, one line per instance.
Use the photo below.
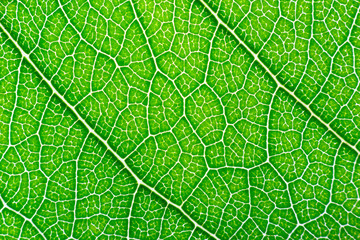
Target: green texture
(179, 119)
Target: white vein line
(276, 80)
(21, 215)
(139, 181)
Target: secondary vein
(276, 80)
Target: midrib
(55, 91)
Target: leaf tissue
(179, 119)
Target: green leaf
(186, 119)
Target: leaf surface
(179, 119)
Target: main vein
(139, 181)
